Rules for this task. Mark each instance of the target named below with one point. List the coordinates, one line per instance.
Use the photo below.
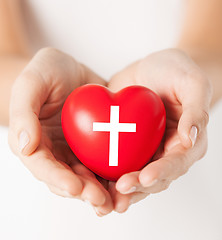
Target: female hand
(186, 94)
(35, 133)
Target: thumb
(195, 105)
(25, 103)
(192, 121)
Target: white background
(107, 35)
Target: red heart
(136, 112)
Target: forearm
(15, 50)
(10, 67)
(212, 66)
(201, 38)
(14, 38)
(202, 26)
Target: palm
(54, 144)
(171, 136)
(38, 95)
(170, 74)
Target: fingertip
(121, 185)
(184, 138)
(24, 140)
(183, 129)
(127, 183)
(193, 120)
(24, 133)
(72, 185)
(122, 203)
(121, 207)
(147, 181)
(188, 136)
(64, 179)
(59, 192)
(32, 135)
(105, 208)
(100, 200)
(149, 176)
(93, 193)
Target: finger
(93, 191)
(28, 94)
(59, 192)
(169, 167)
(107, 207)
(195, 96)
(128, 183)
(121, 202)
(137, 197)
(46, 168)
(81, 169)
(175, 163)
(158, 186)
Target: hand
(35, 132)
(186, 94)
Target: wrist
(210, 62)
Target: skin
(38, 86)
(15, 51)
(177, 152)
(37, 114)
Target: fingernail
(98, 212)
(193, 135)
(132, 200)
(150, 183)
(132, 189)
(67, 194)
(23, 140)
(88, 202)
(120, 208)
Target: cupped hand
(186, 94)
(35, 132)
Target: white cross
(114, 127)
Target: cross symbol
(114, 127)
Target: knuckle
(204, 117)
(199, 117)
(169, 165)
(73, 190)
(47, 50)
(184, 169)
(162, 186)
(180, 167)
(184, 165)
(197, 76)
(165, 185)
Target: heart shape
(113, 133)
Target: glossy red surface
(91, 103)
